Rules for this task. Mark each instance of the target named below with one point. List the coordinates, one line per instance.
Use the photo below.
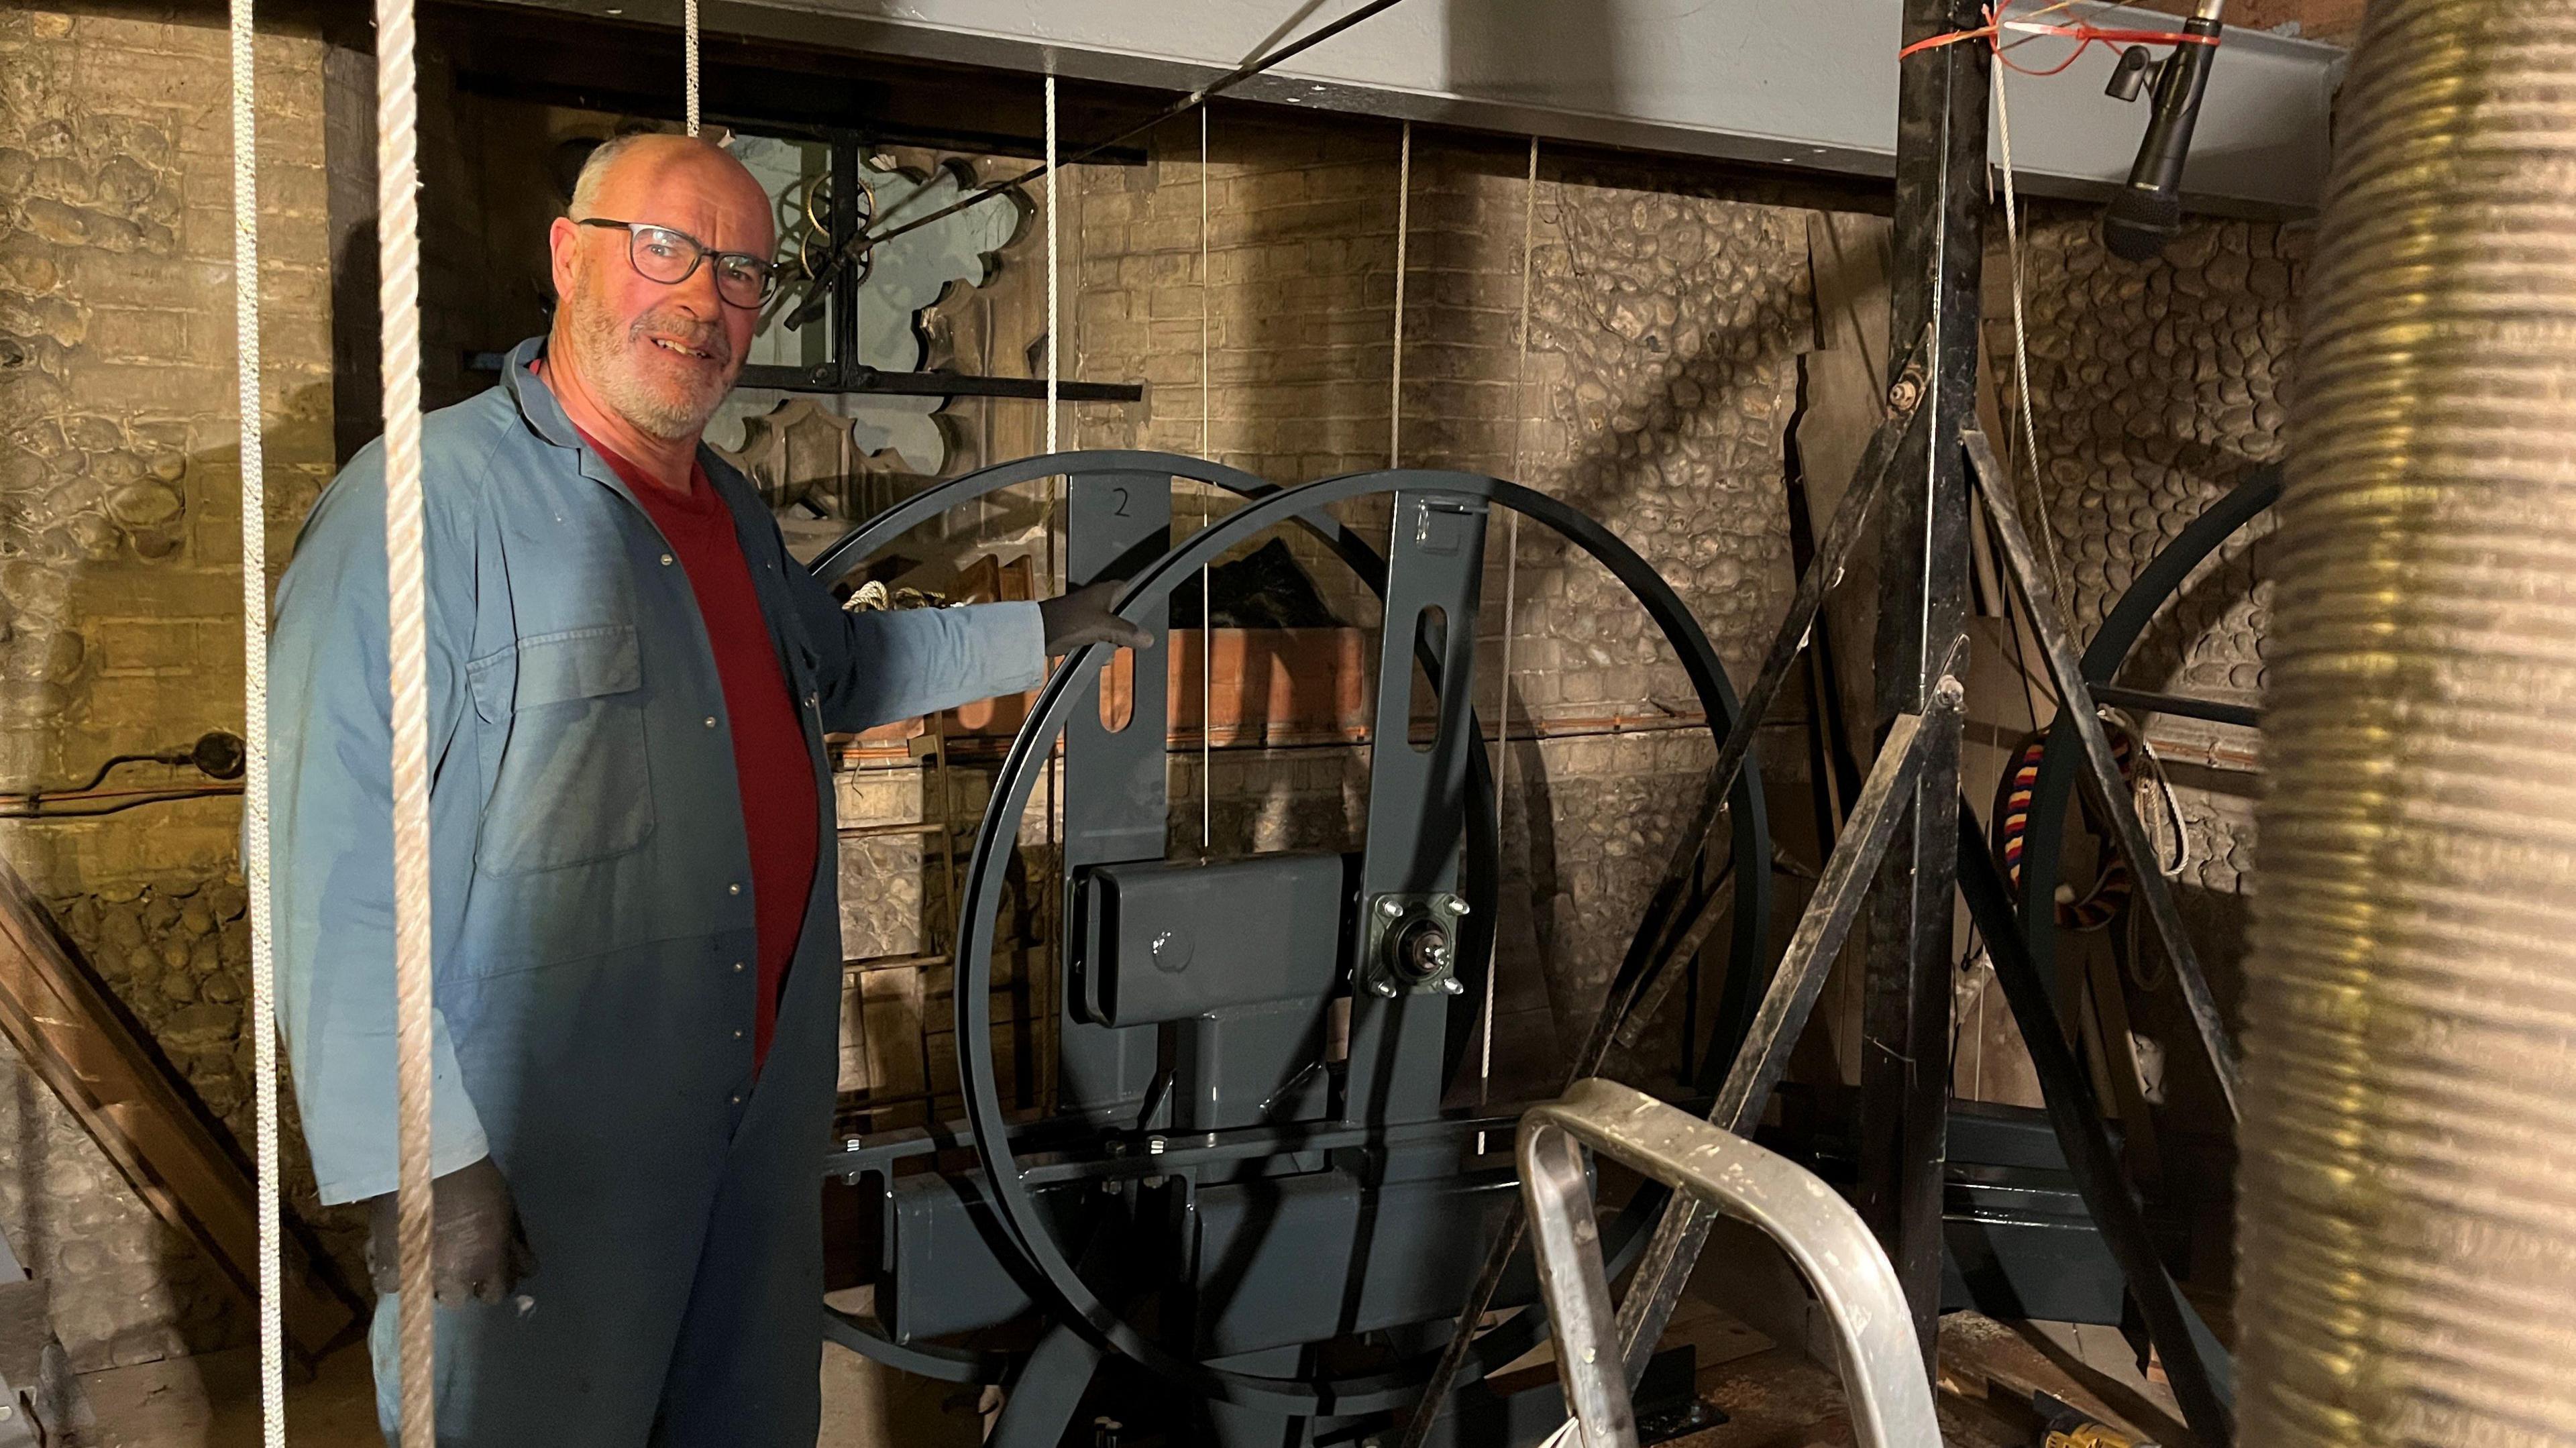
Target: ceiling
(2335, 20)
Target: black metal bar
(2077, 1118)
(2149, 701)
(1941, 203)
(1671, 918)
(1884, 802)
(2102, 775)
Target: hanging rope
(1054, 318)
(398, 295)
(254, 566)
(1403, 225)
(1207, 511)
(689, 42)
(1511, 572)
(2021, 352)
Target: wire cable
(1403, 225)
(1207, 512)
(1226, 82)
(1054, 268)
(1511, 571)
(398, 297)
(2045, 526)
(254, 585)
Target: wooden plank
(76, 1037)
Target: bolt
(1390, 907)
(1153, 1146)
(1949, 690)
(1154, 1183)
(1453, 904)
(1452, 986)
(1208, 1140)
(853, 1144)
(1905, 394)
(1382, 988)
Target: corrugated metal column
(1922, 622)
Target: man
(635, 932)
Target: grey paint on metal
(1114, 790)
(1167, 941)
(1417, 796)
(1811, 85)
(1891, 1400)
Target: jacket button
(737, 1101)
(711, 721)
(737, 1035)
(733, 889)
(812, 699)
(668, 560)
(737, 969)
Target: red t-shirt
(779, 811)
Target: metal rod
(2077, 1118)
(1822, 928)
(1670, 917)
(2102, 773)
(2149, 701)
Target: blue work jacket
(591, 888)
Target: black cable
(863, 242)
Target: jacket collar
(546, 417)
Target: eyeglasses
(660, 254)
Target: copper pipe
(2407, 1222)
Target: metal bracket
(1410, 945)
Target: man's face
(662, 356)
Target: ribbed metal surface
(2407, 1242)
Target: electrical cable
(398, 298)
(254, 584)
(1183, 106)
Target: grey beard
(602, 342)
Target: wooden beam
(80, 1040)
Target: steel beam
(1922, 641)
(1811, 85)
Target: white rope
(1403, 224)
(689, 40)
(1207, 515)
(398, 295)
(1054, 317)
(2021, 350)
(254, 578)
(1511, 574)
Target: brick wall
(119, 557)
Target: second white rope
(254, 581)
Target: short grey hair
(594, 171)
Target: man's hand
(477, 1249)
(1083, 617)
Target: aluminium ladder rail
(1882, 1367)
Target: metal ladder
(1882, 1365)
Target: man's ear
(561, 238)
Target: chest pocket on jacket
(571, 787)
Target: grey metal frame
(1718, 1173)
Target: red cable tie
(2085, 34)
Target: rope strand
(254, 581)
(1207, 512)
(1511, 575)
(689, 41)
(398, 258)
